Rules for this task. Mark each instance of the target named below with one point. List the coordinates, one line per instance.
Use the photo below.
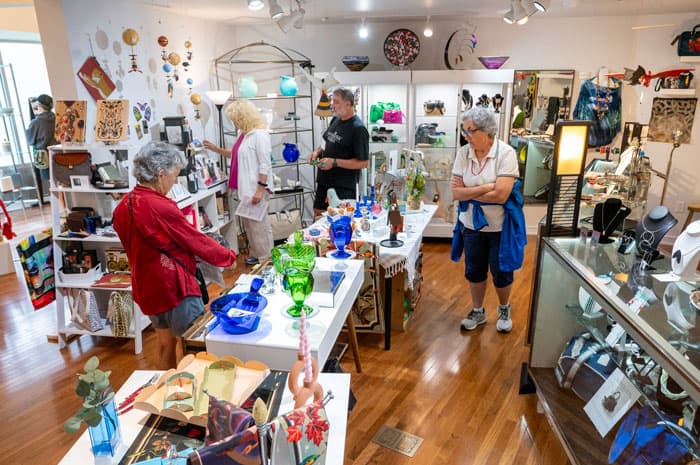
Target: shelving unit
(62, 200)
(267, 62)
(565, 266)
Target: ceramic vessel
(288, 86)
(247, 88)
(290, 153)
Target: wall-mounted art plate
(458, 48)
(401, 47)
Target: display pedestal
(7, 264)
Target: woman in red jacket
(162, 245)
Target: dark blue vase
(105, 436)
(290, 152)
(341, 234)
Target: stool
(693, 208)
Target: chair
(693, 208)
(13, 191)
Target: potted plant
(98, 409)
(415, 186)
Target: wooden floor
(456, 390)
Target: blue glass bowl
(233, 324)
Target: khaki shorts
(179, 318)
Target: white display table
(132, 421)
(7, 264)
(276, 341)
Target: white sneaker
(474, 319)
(504, 323)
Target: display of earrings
(131, 38)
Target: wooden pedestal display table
(7, 265)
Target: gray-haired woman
(162, 245)
(483, 176)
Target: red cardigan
(159, 283)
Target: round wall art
(401, 47)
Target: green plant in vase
(98, 409)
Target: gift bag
(36, 255)
(84, 313)
(393, 116)
(67, 164)
(119, 313)
(284, 223)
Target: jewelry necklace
(649, 235)
(612, 221)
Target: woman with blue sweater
(491, 223)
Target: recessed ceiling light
(363, 32)
(256, 5)
(428, 31)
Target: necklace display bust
(652, 229)
(686, 253)
(607, 216)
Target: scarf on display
(602, 106)
(233, 175)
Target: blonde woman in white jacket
(250, 171)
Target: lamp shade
(571, 143)
(218, 97)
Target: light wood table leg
(353, 342)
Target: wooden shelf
(564, 411)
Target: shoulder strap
(163, 251)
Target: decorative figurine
(395, 219)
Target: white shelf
(689, 59)
(106, 331)
(677, 93)
(220, 186)
(88, 147)
(91, 190)
(90, 238)
(89, 285)
(438, 227)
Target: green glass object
(298, 250)
(299, 283)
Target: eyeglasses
(471, 131)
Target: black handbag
(688, 42)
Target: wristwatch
(335, 163)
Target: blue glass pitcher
(290, 153)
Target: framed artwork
(95, 79)
(112, 120)
(70, 121)
(669, 116)
(79, 182)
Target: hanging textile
(36, 255)
(603, 106)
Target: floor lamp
(570, 147)
(219, 98)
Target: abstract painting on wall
(670, 115)
(70, 121)
(112, 120)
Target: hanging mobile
(174, 59)
(131, 38)
(189, 82)
(196, 99)
(188, 55)
(163, 42)
(168, 68)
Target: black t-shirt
(344, 140)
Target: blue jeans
(480, 253)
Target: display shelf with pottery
(226, 378)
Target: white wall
(583, 44)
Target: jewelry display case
(635, 316)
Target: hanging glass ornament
(174, 59)
(188, 55)
(196, 99)
(189, 82)
(131, 38)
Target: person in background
(250, 173)
(40, 135)
(162, 247)
(491, 220)
(345, 154)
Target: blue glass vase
(288, 86)
(290, 153)
(340, 233)
(105, 436)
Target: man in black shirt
(345, 154)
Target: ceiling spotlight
(428, 31)
(256, 5)
(519, 13)
(276, 11)
(299, 23)
(529, 6)
(286, 22)
(363, 32)
(540, 6)
(508, 17)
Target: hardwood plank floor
(457, 390)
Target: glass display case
(534, 164)
(644, 325)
